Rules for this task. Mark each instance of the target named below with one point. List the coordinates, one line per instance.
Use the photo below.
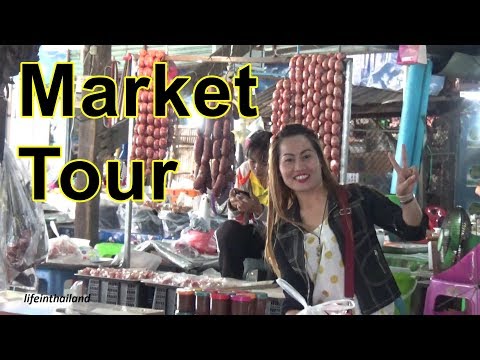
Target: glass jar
(186, 301)
(220, 304)
(202, 303)
(261, 304)
(241, 305)
(253, 300)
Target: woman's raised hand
(407, 177)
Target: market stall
(161, 253)
(181, 239)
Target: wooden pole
(97, 57)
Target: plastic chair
(469, 293)
(52, 281)
(465, 271)
(461, 281)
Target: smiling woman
(317, 228)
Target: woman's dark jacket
(375, 286)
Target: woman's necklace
(319, 246)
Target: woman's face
(259, 165)
(299, 164)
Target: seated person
(243, 235)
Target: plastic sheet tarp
(381, 71)
(186, 259)
(144, 220)
(23, 234)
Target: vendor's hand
(407, 177)
(234, 202)
(249, 204)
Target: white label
(353, 178)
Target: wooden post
(97, 57)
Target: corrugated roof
(361, 97)
(290, 50)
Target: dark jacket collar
(293, 211)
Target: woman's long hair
(281, 197)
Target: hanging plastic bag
(334, 307)
(203, 242)
(144, 219)
(412, 54)
(64, 250)
(23, 236)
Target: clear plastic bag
(201, 241)
(173, 223)
(144, 220)
(334, 307)
(64, 250)
(23, 235)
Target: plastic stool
(54, 279)
(469, 292)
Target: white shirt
(326, 269)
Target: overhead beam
(228, 59)
(211, 68)
(215, 68)
(325, 49)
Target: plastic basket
(407, 285)
(117, 292)
(109, 292)
(108, 250)
(274, 306)
(93, 289)
(133, 294)
(164, 297)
